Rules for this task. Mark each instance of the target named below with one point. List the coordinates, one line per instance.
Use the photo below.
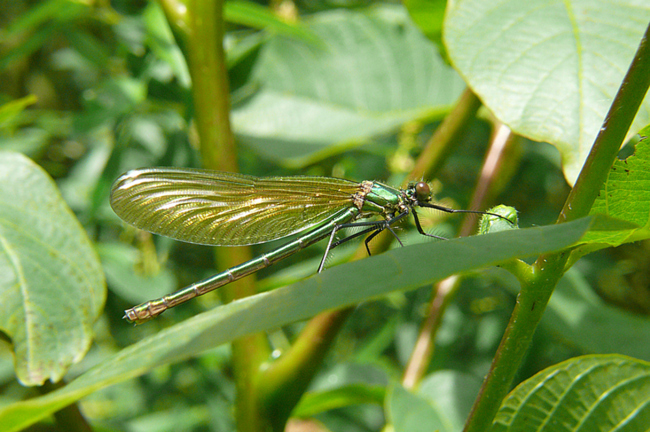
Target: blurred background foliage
(90, 89)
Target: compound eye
(422, 192)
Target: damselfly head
(420, 192)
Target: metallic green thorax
(380, 199)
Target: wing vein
(226, 209)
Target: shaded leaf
(373, 73)
(452, 394)
(591, 325)
(125, 280)
(257, 16)
(409, 412)
(313, 403)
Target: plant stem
(210, 90)
(177, 14)
(210, 87)
(444, 290)
(548, 269)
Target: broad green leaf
(374, 72)
(624, 196)
(51, 283)
(348, 284)
(428, 16)
(591, 393)
(578, 315)
(409, 412)
(548, 69)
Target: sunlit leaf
(399, 269)
(624, 196)
(51, 284)
(548, 69)
(592, 393)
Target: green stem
(177, 15)
(445, 290)
(548, 269)
(210, 90)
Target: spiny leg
(376, 226)
(419, 227)
(331, 244)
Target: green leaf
(591, 393)
(162, 43)
(51, 283)
(548, 69)
(313, 403)
(409, 412)
(63, 11)
(36, 27)
(452, 394)
(626, 197)
(399, 269)
(580, 316)
(442, 402)
(375, 72)
(491, 223)
(256, 16)
(428, 16)
(11, 110)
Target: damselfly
(226, 209)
